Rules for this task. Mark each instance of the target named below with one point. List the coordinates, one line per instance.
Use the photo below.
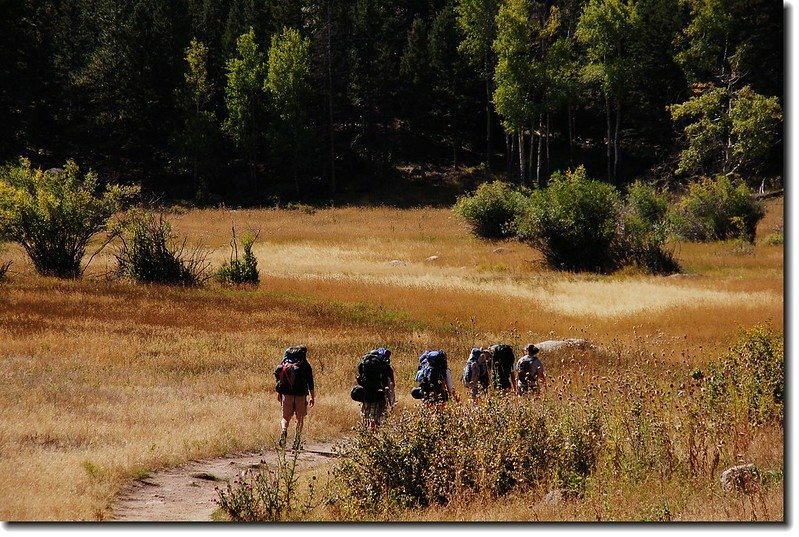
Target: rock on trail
(186, 493)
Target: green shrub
(492, 209)
(425, 457)
(267, 495)
(244, 270)
(716, 209)
(53, 215)
(150, 253)
(574, 222)
(645, 230)
(748, 383)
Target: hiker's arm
(312, 400)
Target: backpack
(432, 373)
(527, 372)
(473, 370)
(372, 375)
(290, 374)
(502, 365)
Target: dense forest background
(256, 102)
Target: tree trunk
(609, 137)
(521, 156)
(570, 120)
(531, 152)
(488, 108)
(547, 161)
(616, 141)
(331, 130)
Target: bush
(4, 270)
(53, 215)
(424, 457)
(492, 209)
(748, 383)
(645, 231)
(150, 253)
(574, 222)
(269, 495)
(717, 209)
(240, 271)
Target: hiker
(294, 377)
(503, 376)
(475, 372)
(530, 372)
(434, 379)
(374, 386)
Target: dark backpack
(527, 372)
(290, 373)
(502, 365)
(372, 376)
(432, 373)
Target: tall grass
(107, 380)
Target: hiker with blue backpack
(434, 379)
(476, 372)
(294, 383)
(530, 372)
(374, 386)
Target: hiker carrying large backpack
(433, 379)
(530, 372)
(502, 374)
(374, 384)
(293, 383)
(475, 372)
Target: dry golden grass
(105, 380)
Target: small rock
(396, 263)
(500, 250)
(552, 344)
(743, 478)
(558, 496)
(432, 258)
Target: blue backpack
(432, 373)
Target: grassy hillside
(104, 380)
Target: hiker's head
(531, 349)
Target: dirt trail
(186, 493)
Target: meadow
(104, 380)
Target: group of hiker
(486, 369)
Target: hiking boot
(297, 445)
(282, 442)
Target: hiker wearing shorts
(530, 372)
(295, 383)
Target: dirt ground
(186, 493)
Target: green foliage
(53, 215)
(150, 253)
(199, 129)
(574, 222)
(645, 230)
(288, 84)
(492, 209)
(726, 131)
(477, 21)
(268, 495)
(716, 209)
(425, 457)
(243, 96)
(240, 270)
(748, 383)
